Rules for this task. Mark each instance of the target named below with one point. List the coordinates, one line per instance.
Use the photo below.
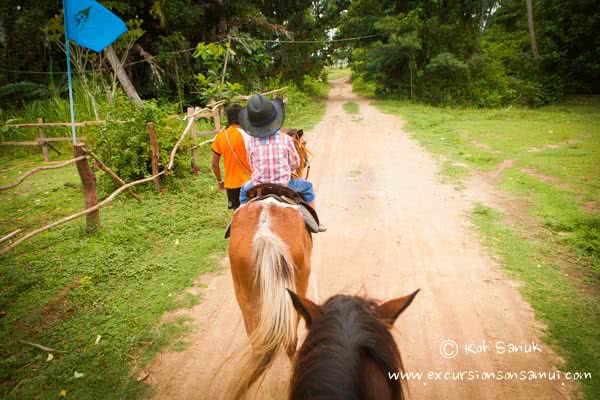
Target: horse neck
(347, 355)
(302, 153)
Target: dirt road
(393, 228)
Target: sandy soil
(393, 228)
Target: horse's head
(298, 136)
(349, 350)
(386, 312)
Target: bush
(362, 87)
(125, 147)
(315, 87)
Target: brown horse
(349, 351)
(269, 252)
(298, 136)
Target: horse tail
(277, 320)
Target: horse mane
(329, 366)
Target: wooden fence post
(193, 133)
(42, 139)
(217, 118)
(88, 179)
(155, 154)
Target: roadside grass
(64, 288)
(351, 107)
(305, 112)
(548, 159)
(338, 73)
(571, 319)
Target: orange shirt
(235, 174)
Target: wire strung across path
(217, 42)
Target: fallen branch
(39, 346)
(203, 143)
(183, 135)
(205, 133)
(57, 124)
(22, 165)
(38, 169)
(264, 94)
(79, 214)
(217, 104)
(10, 235)
(24, 143)
(110, 173)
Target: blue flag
(90, 24)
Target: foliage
(315, 87)
(124, 144)
(474, 53)
(302, 110)
(160, 64)
(362, 87)
(25, 90)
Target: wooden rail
(79, 214)
(40, 142)
(241, 97)
(54, 124)
(38, 169)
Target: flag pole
(70, 79)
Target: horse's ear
(306, 308)
(300, 132)
(390, 310)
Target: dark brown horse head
(349, 352)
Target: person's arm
(293, 157)
(216, 168)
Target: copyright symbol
(448, 348)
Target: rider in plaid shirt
(273, 159)
(272, 154)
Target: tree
(534, 48)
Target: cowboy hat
(262, 117)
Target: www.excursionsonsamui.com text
(490, 376)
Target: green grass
(64, 288)
(551, 160)
(338, 73)
(351, 107)
(571, 319)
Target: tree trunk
(534, 48)
(122, 75)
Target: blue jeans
(304, 187)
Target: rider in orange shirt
(230, 143)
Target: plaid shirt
(273, 159)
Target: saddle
(285, 195)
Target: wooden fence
(42, 140)
(82, 156)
